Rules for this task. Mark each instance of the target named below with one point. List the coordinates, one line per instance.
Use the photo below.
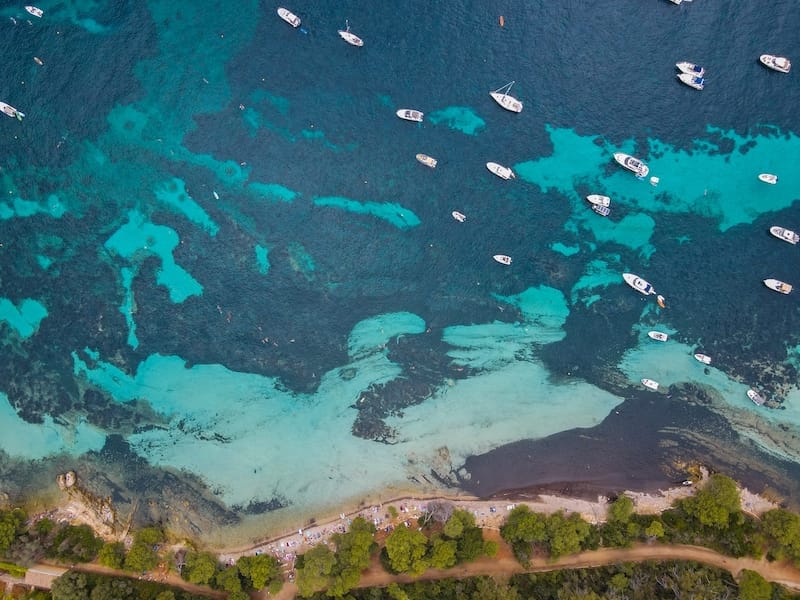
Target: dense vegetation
(443, 538)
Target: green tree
(565, 534)
(200, 567)
(318, 565)
(355, 547)
(470, 544)
(166, 595)
(70, 586)
(113, 589)
(406, 549)
(522, 530)
(10, 526)
(655, 530)
(395, 592)
(228, 579)
(453, 528)
(490, 548)
(752, 586)
(783, 527)
(140, 558)
(621, 510)
(238, 595)
(112, 555)
(259, 570)
(714, 504)
(151, 536)
(442, 553)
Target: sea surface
(231, 299)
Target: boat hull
(632, 164)
(288, 16)
(778, 286)
(501, 171)
(692, 81)
(691, 69)
(703, 358)
(460, 217)
(787, 235)
(351, 38)
(658, 336)
(757, 398)
(409, 114)
(650, 384)
(639, 284)
(426, 160)
(776, 63)
(768, 178)
(502, 259)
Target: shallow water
(228, 285)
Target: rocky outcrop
(85, 507)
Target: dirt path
(504, 565)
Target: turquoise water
(227, 285)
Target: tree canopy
(715, 503)
(406, 549)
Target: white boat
(778, 285)
(691, 68)
(426, 160)
(658, 336)
(777, 63)
(599, 200)
(661, 301)
(639, 284)
(768, 178)
(500, 170)
(11, 111)
(502, 259)
(409, 114)
(460, 217)
(692, 81)
(632, 164)
(501, 96)
(703, 358)
(603, 211)
(757, 398)
(36, 12)
(650, 384)
(350, 38)
(676, 1)
(288, 16)
(787, 235)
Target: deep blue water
(133, 96)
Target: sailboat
(501, 96)
(350, 38)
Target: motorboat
(639, 284)
(676, 1)
(650, 384)
(658, 336)
(692, 81)
(11, 111)
(502, 259)
(409, 114)
(778, 286)
(36, 12)
(460, 217)
(757, 398)
(38, 61)
(501, 96)
(691, 69)
(603, 211)
(599, 200)
(426, 160)
(288, 16)
(500, 170)
(776, 63)
(703, 358)
(787, 235)
(349, 37)
(768, 178)
(632, 164)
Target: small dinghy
(757, 398)
(778, 286)
(426, 160)
(502, 259)
(703, 358)
(460, 217)
(658, 336)
(603, 211)
(787, 235)
(650, 384)
(661, 301)
(768, 178)
(599, 200)
(500, 170)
